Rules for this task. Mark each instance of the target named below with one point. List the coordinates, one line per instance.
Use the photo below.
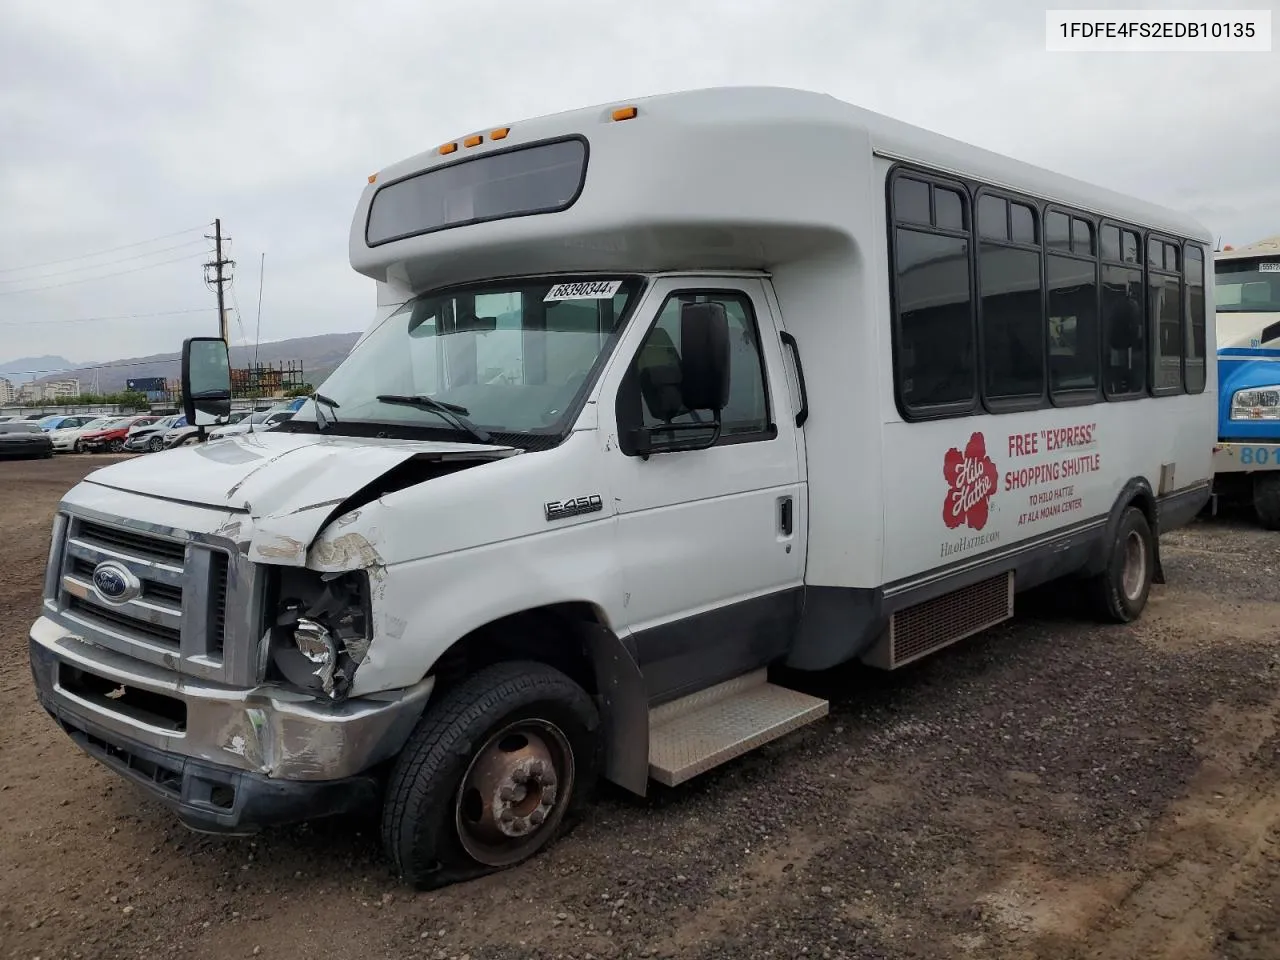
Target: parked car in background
(149, 436)
(111, 437)
(261, 420)
(67, 439)
(181, 432)
(59, 421)
(23, 440)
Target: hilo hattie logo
(971, 479)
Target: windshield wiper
(450, 411)
(322, 422)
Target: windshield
(511, 357)
(1247, 286)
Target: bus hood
(290, 485)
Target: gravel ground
(1051, 789)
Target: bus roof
(744, 176)
(1270, 247)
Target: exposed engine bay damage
(321, 626)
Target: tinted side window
(1023, 220)
(1164, 300)
(993, 217)
(1124, 346)
(911, 200)
(1057, 231)
(1073, 324)
(935, 315)
(1012, 322)
(1130, 247)
(1194, 364)
(748, 409)
(948, 209)
(1110, 242)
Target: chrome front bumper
(177, 735)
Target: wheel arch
(576, 638)
(1136, 492)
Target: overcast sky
(126, 121)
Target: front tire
(155, 444)
(1266, 500)
(494, 772)
(1120, 592)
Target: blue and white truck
(1246, 458)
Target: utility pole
(219, 278)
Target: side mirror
(704, 357)
(206, 380)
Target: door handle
(785, 513)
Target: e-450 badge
(573, 507)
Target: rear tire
(1120, 592)
(495, 772)
(1266, 499)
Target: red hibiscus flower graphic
(972, 478)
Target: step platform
(691, 735)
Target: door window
(747, 414)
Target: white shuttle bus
(658, 396)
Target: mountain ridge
(319, 355)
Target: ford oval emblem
(115, 583)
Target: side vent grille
(919, 630)
(218, 563)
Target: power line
(105, 276)
(108, 263)
(119, 316)
(98, 253)
(93, 366)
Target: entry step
(691, 735)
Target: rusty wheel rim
(514, 792)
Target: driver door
(711, 541)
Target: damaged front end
(319, 630)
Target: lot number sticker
(1273, 267)
(589, 290)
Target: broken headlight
(320, 630)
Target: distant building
(7, 392)
(61, 389)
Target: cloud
(134, 119)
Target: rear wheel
(1120, 592)
(494, 772)
(115, 446)
(1266, 499)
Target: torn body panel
(289, 485)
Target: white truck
(658, 396)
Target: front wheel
(494, 772)
(1266, 500)
(155, 444)
(1120, 592)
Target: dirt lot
(1049, 790)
